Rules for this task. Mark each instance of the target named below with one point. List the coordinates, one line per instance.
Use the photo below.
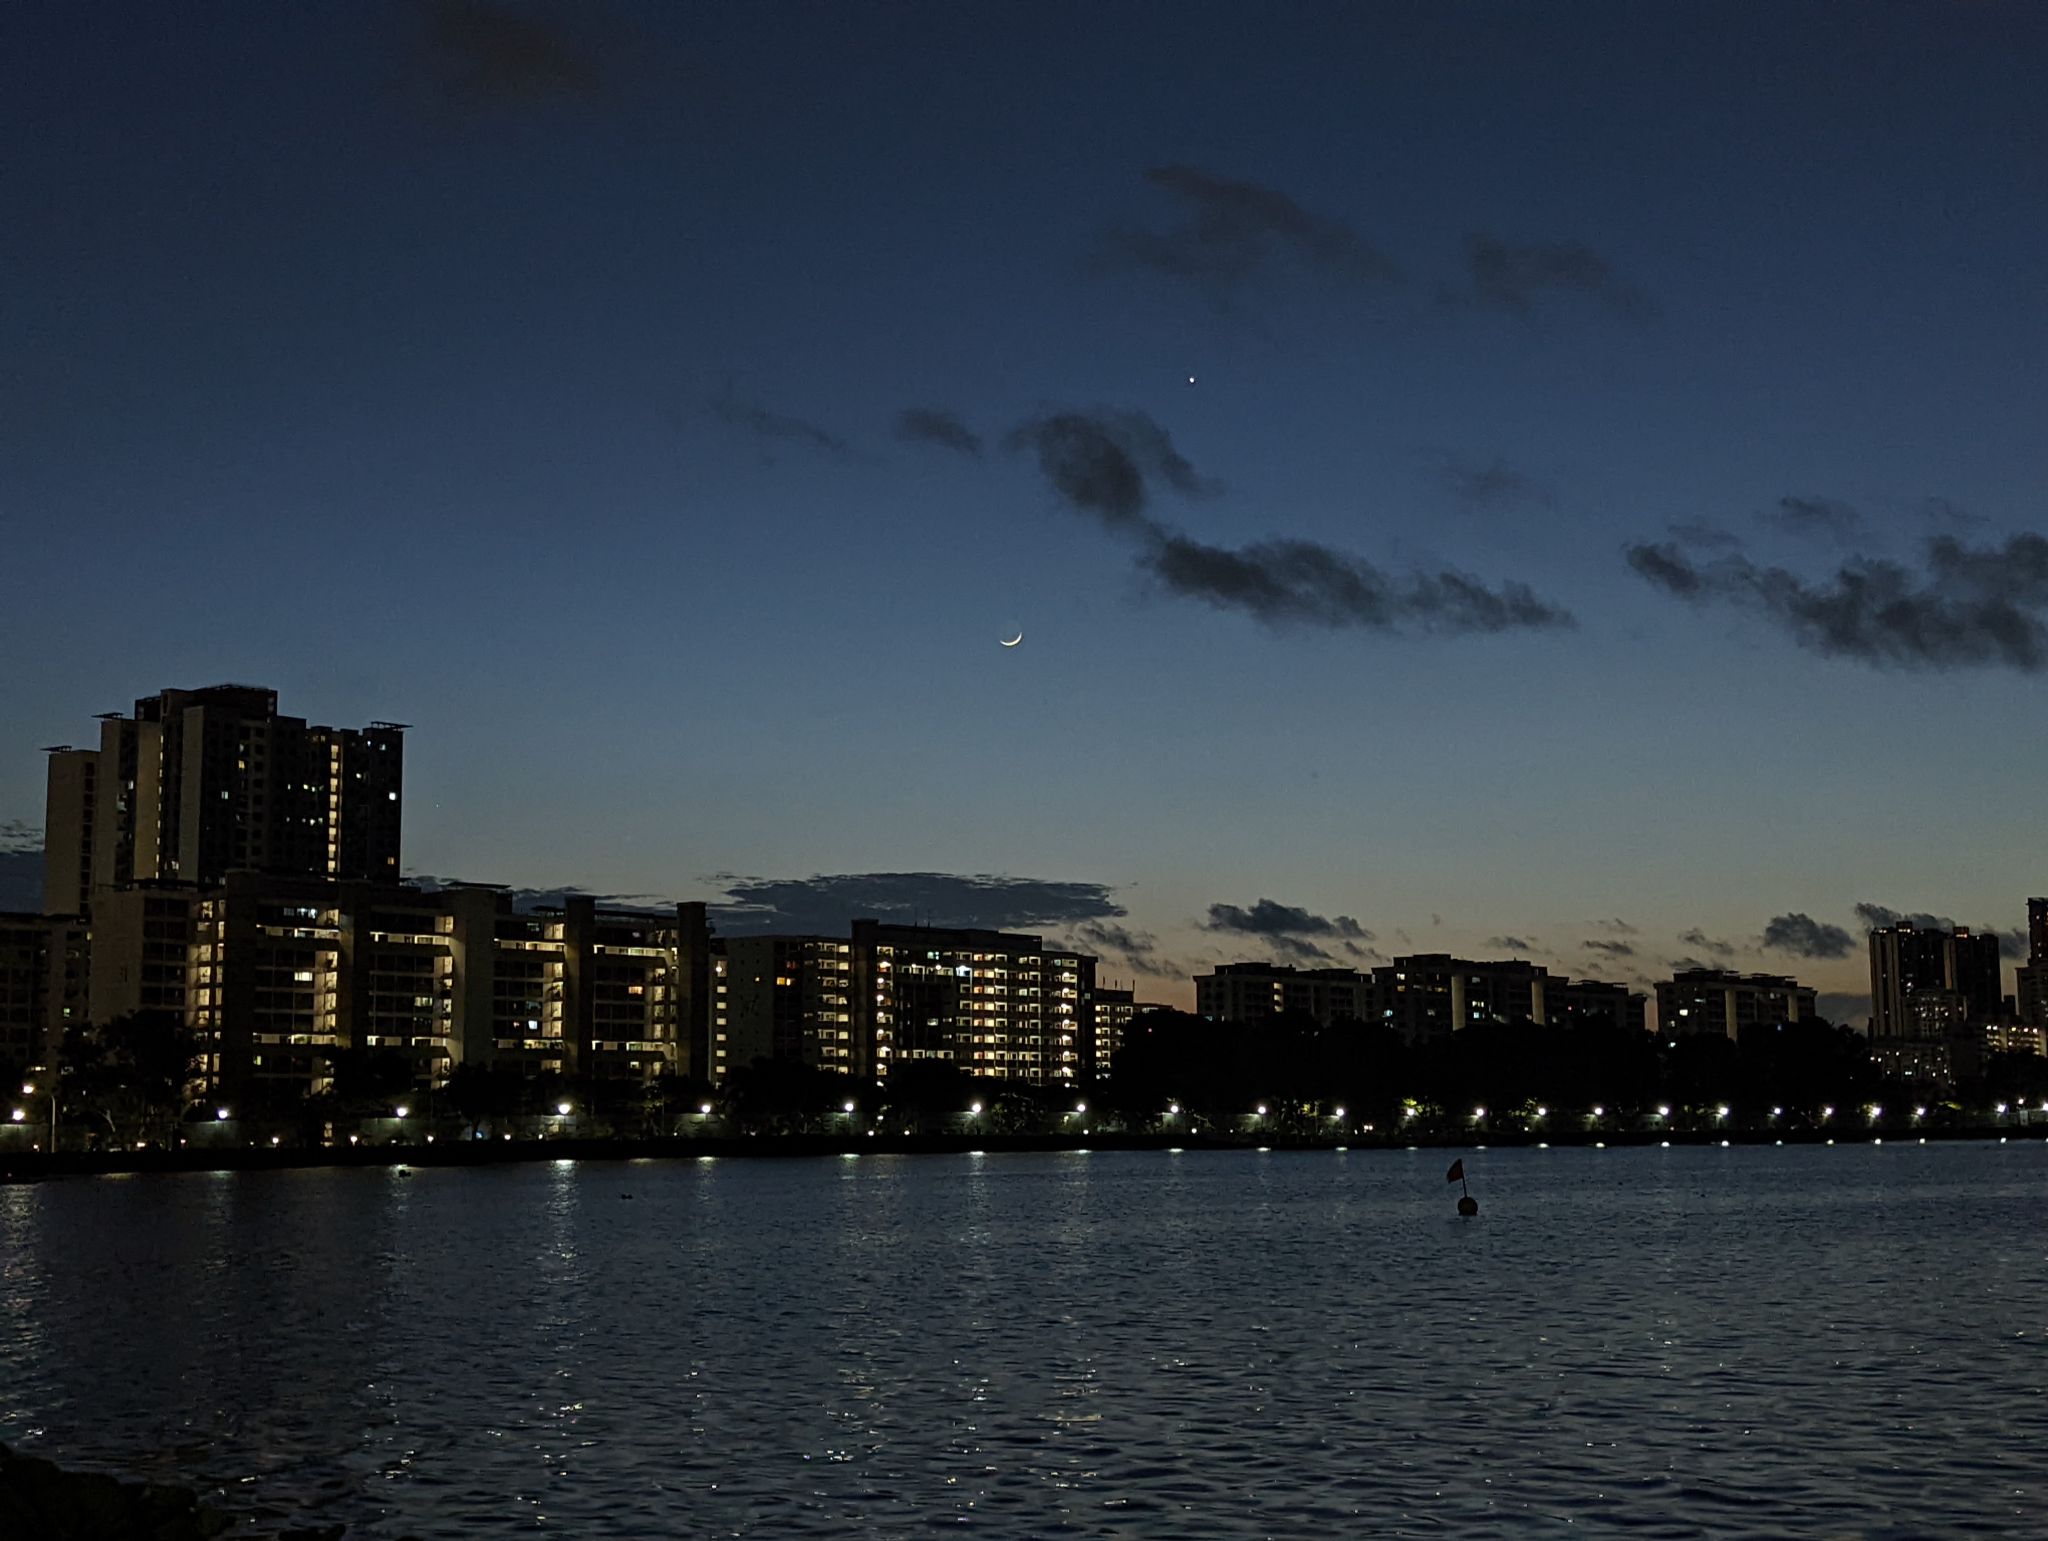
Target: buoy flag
(1457, 1171)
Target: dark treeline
(127, 1084)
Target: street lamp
(220, 1114)
(562, 1108)
(402, 1110)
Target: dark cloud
(1618, 926)
(481, 56)
(1875, 917)
(1829, 517)
(1135, 950)
(1290, 929)
(1698, 938)
(1510, 944)
(1510, 275)
(21, 865)
(1105, 463)
(1235, 231)
(1965, 607)
(526, 899)
(753, 418)
(827, 904)
(935, 425)
(1495, 485)
(1305, 583)
(1613, 949)
(1804, 937)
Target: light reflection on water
(1739, 1342)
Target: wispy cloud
(751, 417)
(1707, 944)
(1234, 231)
(826, 904)
(1827, 517)
(1618, 926)
(1510, 944)
(935, 425)
(1963, 607)
(1290, 929)
(1494, 485)
(21, 865)
(1804, 937)
(524, 899)
(1697, 532)
(1875, 917)
(1107, 464)
(1612, 948)
(1304, 583)
(1514, 275)
(1134, 949)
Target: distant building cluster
(1422, 997)
(237, 869)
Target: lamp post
(28, 1089)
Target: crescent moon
(1013, 641)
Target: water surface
(1842, 1341)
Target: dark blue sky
(532, 374)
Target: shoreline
(33, 1166)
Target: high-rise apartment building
(1249, 992)
(1725, 1003)
(788, 998)
(994, 1003)
(2031, 978)
(42, 986)
(201, 783)
(1925, 984)
(281, 974)
(1111, 1021)
(1422, 997)
(1430, 994)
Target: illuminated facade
(994, 1003)
(788, 998)
(1111, 1022)
(201, 783)
(283, 974)
(1927, 984)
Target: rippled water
(1842, 1341)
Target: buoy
(1468, 1206)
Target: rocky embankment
(40, 1501)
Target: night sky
(1598, 526)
